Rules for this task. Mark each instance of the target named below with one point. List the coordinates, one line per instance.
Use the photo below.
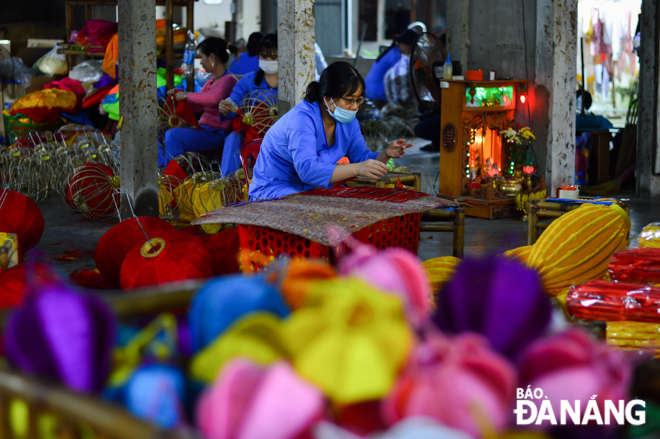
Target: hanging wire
(130, 205)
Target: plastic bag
(87, 71)
(14, 68)
(53, 63)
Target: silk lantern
(167, 257)
(63, 335)
(20, 215)
(120, 239)
(497, 297)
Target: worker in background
(248, 61)
(375, 80)
(301, 151)
(263, 79)
(214, 53)
(398, 88)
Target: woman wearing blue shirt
(301, 150)
(248, 61)
(263, 79)
(376, 78)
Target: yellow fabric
(211, 229)
(521, 253)
(183, 195)
(165, 199)
(300, 278)
(12, 257)
(111, 56)
(350, 340)
(179, 36)
(440, 270)
(577, 246)
(638, 336)
(256, 336)
(207, 197)
(650, 236)
(49, 98)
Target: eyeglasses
(353, 102)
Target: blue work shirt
(244, 64)
(295, 155)
(374, 81)
(246, 85)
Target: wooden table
(543, 212)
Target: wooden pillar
(295, 43)
(68, 14)
(190, 24)
(138, 107)
(648, 104)
(169, 44)
(555, 87)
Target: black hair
(408, 37)
(217, 46)
(267, 46)
(253, 43)
(339, 79)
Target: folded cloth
(70, 85)
(96, 33)
(111, 56)
(45, 106)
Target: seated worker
(263, 79)
(301, 150)
(248, 61)
(398, 88)
(385, 61)
(214, 53)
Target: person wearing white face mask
(263, 79)
(301, 150)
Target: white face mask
(269, 67)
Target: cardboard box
(31, 55)
(38, 83)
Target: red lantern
(92, 190)
(20, 215)
(115, 244)
(169, 257)
(16, 282)
(224, 248)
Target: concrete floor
(68, 230)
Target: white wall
(205, 15)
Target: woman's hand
(373, 169)
(170, 92)
(224, 108)
(397, 149)
(181, 96)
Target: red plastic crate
(401, 231)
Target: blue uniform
(295, 155)
(244, 64)
(231, 153)
(375, 79)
